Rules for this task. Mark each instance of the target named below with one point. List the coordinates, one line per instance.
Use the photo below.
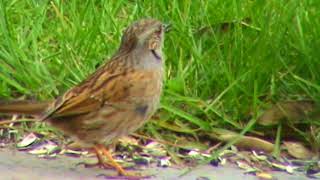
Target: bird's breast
(146, 90)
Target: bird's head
(146, 34)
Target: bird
(115, 100)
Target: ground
(21, 165)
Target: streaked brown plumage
(115, 100)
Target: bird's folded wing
(112, 90)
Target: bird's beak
(167, 27)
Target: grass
(225, 60)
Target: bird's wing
(105, 87)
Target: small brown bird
(115, 100)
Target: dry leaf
(289, 110)
(127, 140)
(75, 145)
(47, 148)
(246, 167)
(27, 140)
(259, 157)
(298, 150)
(74, 152)
(263, 175)
(289, 169)
(155, 149)
(246, 142)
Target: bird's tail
(23, 107)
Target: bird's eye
(158, 31)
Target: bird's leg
(101, 161)
(112, 162)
